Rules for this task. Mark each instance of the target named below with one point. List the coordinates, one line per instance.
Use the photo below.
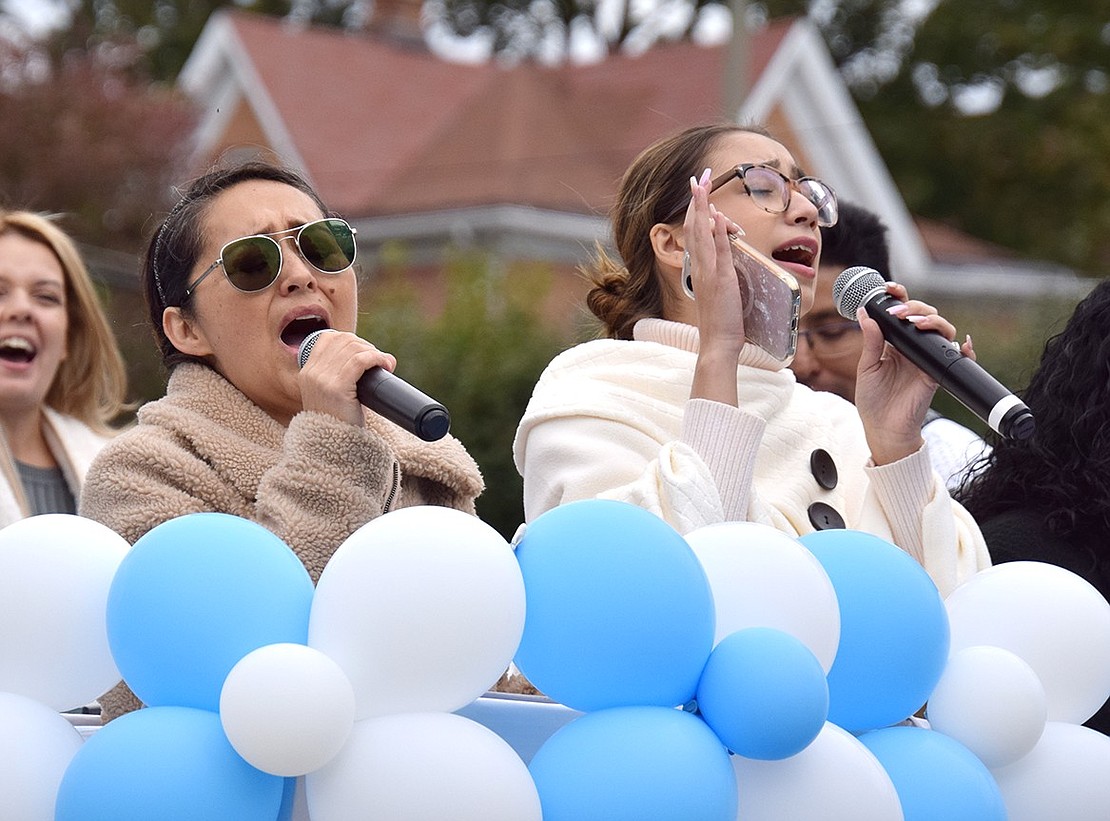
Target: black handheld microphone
(394, 398)
(942, 360)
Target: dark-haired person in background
(829, 346)
(1047, 498)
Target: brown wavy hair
(91, 382)
(655, 189)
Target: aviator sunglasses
(253, 263)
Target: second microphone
(394, 398)
(960, 376)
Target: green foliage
(1031, 173)
(156, 38)
(480, 357)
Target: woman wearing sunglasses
(676, 413)
(244, 267)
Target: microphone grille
(853, 287)
(306, 345)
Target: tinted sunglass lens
(252, 263)
(328, 245)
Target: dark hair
(172, 252)
(655, 187)
(1064, 468)
(858, 238)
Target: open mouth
(295, 332)
(797, 254)
(17, 349)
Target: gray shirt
(46, 489)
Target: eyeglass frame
(791, 185)
(299, 229)
(806, 334)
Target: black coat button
(825, 517)
(823, 468)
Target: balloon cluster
(252, 677)
(798, 667)
(55, 573)
(803, 670)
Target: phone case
(772, 301)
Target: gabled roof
(385, 129)
(404, 142)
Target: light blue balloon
(169, 764)
(894, 632)
(619, 608)
(936, 776)
(764, 694)
(635, 764)
(196, 594)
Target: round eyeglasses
(770, 189)
(831, 341)
(253, 263)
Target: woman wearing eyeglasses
(674, 412)
(245, 266)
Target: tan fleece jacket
(205, 447)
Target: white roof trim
(218, 75)
(802, 77)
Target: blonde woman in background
(62, 379)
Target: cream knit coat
(613, 419)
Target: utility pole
(735, 82)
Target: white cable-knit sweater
(613, 419)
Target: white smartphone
(771, 297)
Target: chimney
(397, 20)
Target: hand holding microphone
(394, 398)
(960, 376)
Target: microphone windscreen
(306, 345)
(854, 287)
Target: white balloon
(990, 701)
(762, 577)
(1064, 778)
(835, 778)
(55, 573)
(287, 709)
(36, 746)
(418, 766)
(423, 608)
(1051, 618)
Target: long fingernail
(967, 341)
(898, 310)
(705, 175)
(914, 319)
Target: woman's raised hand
(329, 378)
(718, 304)
(892, 394)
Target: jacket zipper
(393, 490)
